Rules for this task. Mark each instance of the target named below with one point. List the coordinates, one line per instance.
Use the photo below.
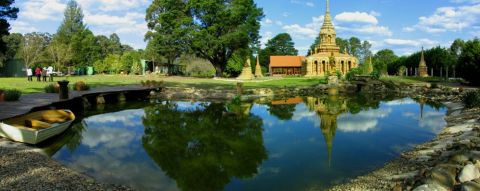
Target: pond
(298, 143)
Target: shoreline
(435, 165)
(403, 173)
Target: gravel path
(25, 168)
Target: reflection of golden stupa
(329, 127)
(328, 109)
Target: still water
(299, 143)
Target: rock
(430, 187)
(443, 176)
(460, 159)
(469, 172)
(470, 186)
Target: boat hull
(32, 136)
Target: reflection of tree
(71, 138)
(283, 112)
(202, 149)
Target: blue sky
(402, 25)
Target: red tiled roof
(286, 61)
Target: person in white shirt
(29, 74)
(50, 73)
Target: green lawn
(412, 80)
(115, 80)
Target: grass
(411, 80)
(118, 80)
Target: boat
(33, 128)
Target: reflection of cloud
(110, 152)
(409, 114)
(111, 137)
(401, 102)
(434, 121)
(127, 118)
(363, 121)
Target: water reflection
(203, 149)
(312, 142)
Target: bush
(376, 75)
(471, 99)
(12, 95)
(352, 73)
(52, 88)
(81, 86)
(434, 86)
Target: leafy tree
(382, 59)
(222, 27)
(60, 53)
(72, 23)
(181, 142)
(32, 47)
(114, 46)
(6, 12)
(13, 42)
(280, 45)
(343, 44)
(113, 63)
(104, 44)
(354, 46)
(101, 66)
(130, 59)
(315, 43)
(365, 52)
(468, 61)
(169, 22)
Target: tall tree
(468, 62)
(169, 22)
(6, 12)
(365, 52)
(343, 44)
(280, 45)
(60, 53)
(32, 47)
(13, 42)
(354, 46)
(72, 23)
(382, 59)
(222, 27)
(115, 46)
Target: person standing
(38, 73)
(50, 73)
(44, 74)
(29, 74)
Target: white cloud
(265, 37)
(308, 31)
(407, 42)
(22, 27)
(453, 19)
(301, 2)
(42, 10)
(112, 5)
(360, 17)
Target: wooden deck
(30, 101)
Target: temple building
(326, 59)
(286, 65)
(422, 67)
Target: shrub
(434, 86)
(471, 99)
(52, 88)
(352, 73)
(81, 86)
(12, 95)
(376, 75)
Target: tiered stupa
(258, 69)
(326, 58)
(246, 72)
(422, 68)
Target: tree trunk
(219, 70)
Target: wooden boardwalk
(30, 101)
